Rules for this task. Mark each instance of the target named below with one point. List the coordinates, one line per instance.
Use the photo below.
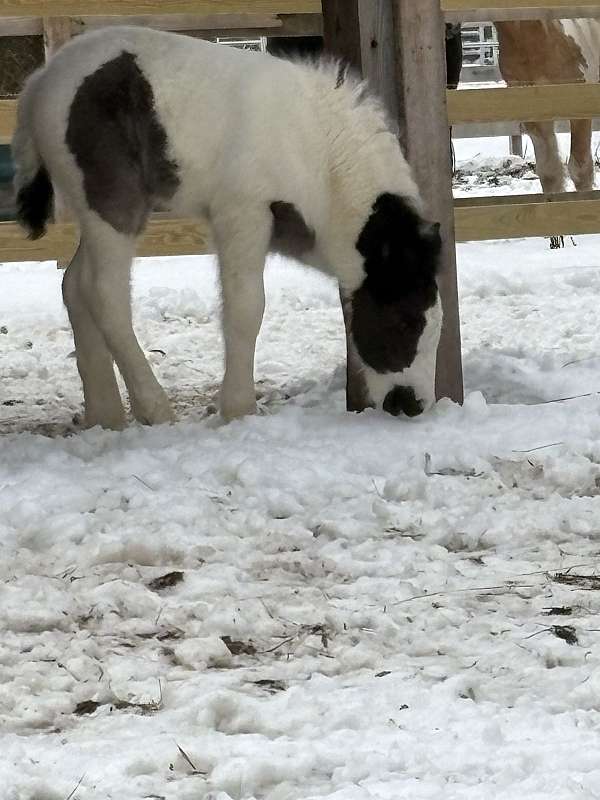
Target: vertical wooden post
(57, 31)
(341, 32)
(361, 32)
(421, 76)
(399, 46)
(516, 145)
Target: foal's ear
(430, 233)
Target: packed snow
(308, 603)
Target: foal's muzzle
(402, 400)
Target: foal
(284, 157)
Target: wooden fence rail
(213, 25)
(476, 219)
(524, 103)
(485, 6)
(520, 104)
(163, 237)
(80, 8)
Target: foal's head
(396, 312)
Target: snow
(353, 606)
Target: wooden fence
(529, 215)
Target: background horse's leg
(103, 404)
(581, 161)
(548, 163)
(242, 245)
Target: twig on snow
(195, 770)
(564, 399)
(152, 489)
(580, 361)
(76, 787)
(542, 446)
(508, 586)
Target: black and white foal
(277, 156)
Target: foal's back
(207, 121)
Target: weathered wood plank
(210, 25)
(8, 119)
(525, 103)
(56, 31)
(214, 25)
(468, 5)
(578, 101)
(21, 26)
(421, 66)
(508, 199)
(342, 36)
(506, 14)
(163, 237)
(378, 51)
(510, 217)
(72, 8)
(477, 219)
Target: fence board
(570, 101)
(163, 237)
(516, 216)
(506, 14)
(8, 119)
(484, 5)
(524, 103)
(476, 219)
(76, 8)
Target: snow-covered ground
(306, 604)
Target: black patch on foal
(34, 204)
(120, 145)
(401, 255)
(291, 235)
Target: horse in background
(534, 52)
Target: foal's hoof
(159, 414)
(231, 411)
(111, 422)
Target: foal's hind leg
(581, 163)
(106, 287)
(242, 245)
(103, 404)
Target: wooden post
(341, 32)
(57, 31)
(516, 145)
(424, 133)
(362, 33)
(399, 46)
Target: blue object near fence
(7, 171)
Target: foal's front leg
(242, 248)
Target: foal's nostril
(402, 400)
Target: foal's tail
(33, 188)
